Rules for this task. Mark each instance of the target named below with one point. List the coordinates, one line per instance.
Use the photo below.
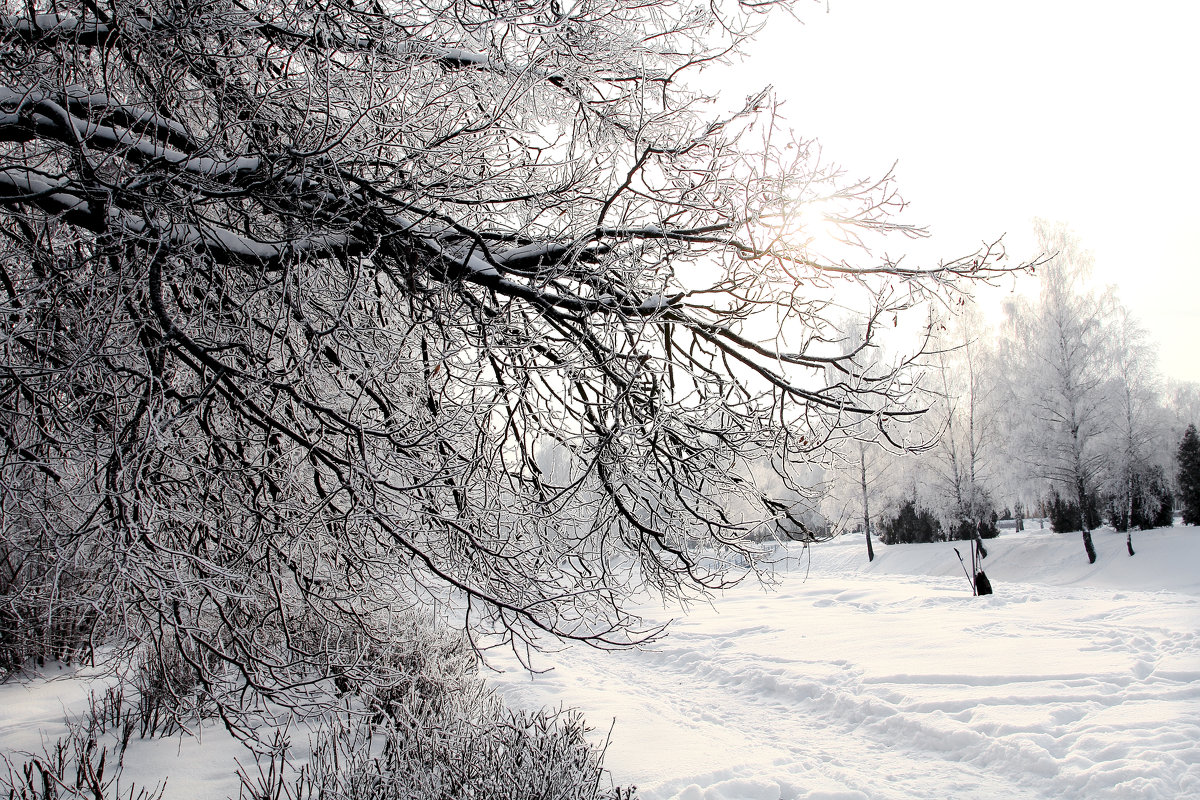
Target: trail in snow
(891, 681)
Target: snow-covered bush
(435, 730)
(423, 666)
(477, 747)
(483, 751)
(438, 731)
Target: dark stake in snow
(976, 577)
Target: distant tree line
(1059, 410)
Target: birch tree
(868, 462)
(969, 413)
(295, 297)
(1062, 351)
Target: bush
(424, 665)
(1065, 515)
(432, 730)
(985, 528)
(988, 528)
(1149, 503)
(483, 751)
(911, 525)
(437, 731)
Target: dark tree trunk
(862, 461)
(1083, 523)
(1088, 546)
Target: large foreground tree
(313, 312)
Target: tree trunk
(862, 462)
(1129, 541)
(1088, 546)
(1083, 523)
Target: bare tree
(1061, 349)
(871, 460)
(298, 297)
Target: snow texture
(889, 680)
(880, 682)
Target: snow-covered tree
(961, 461)
(1134, 390)
(1060, 344)
(866, 469)
(1182, 407)
(295, 298)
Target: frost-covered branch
(324, 311)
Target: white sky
(997, 113)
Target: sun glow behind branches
(830, 230)
(815, 225)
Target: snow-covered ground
(878, 681)
(890, 680)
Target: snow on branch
(328, 312)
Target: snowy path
(879, 684)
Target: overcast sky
(1084, 112)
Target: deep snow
(880, 681)
(890, 680)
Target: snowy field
(891, 681)
(879, 681)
